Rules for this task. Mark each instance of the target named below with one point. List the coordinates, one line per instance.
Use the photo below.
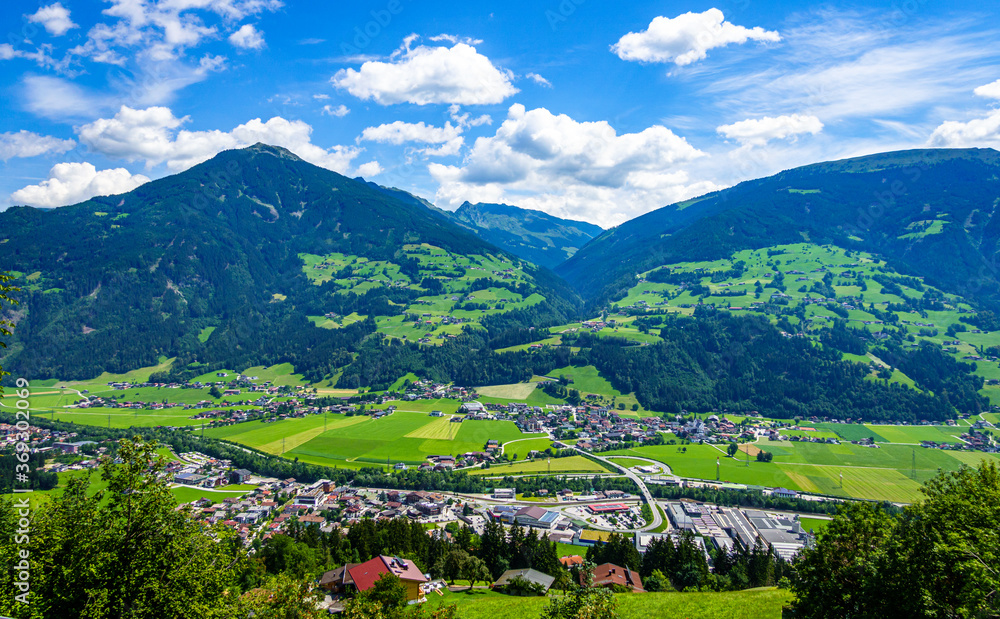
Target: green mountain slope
(235, 251)
(928, 212)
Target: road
(646, 494)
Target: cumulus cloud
(370, 169)
(758, 131)
(247, 37)
(69, 183)
(581, 170)
(29, 144)
(54, 18)
(340, 111)
(426, 75)
(399, 132)
(686, 38)
(153, 135)
(976, 132)
(990, 91)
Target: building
(239, 476)
(532, 576)
(607, 508)
(504, 493)
(189, 479)
(609, 575)
(364, 576)
(536, 517)
(571, 561)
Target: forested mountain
(928, 212)
(220, 265)
(533, 235)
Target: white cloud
(29, 144)
(758, 131)
(54, 18)
(538, 79)
(426, 75)
(686, 38)
(321, 97)
(976, 132)
(340, 111)
(153, 135)
(990, 91)
(247, 37)
(59, 99)
(582, 170)
(69, 183)
(399, 132)
(370, 169)
(453, 39)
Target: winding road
(646, 494)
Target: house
(337, 581)
(504, 493)
(609, 575)
(571, 561)
(364, 575)
(239, 476)
(532, 576)
(190, 479)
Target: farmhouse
(609, 575)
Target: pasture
(884, 473)
(571, 464)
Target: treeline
(755, 499)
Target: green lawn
(752, 604)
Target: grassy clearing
(517, 391)
(814, 524)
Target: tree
(214, 392)
(450, 566)
(475, 570)
(5, 324)
(124, 551)
(281, 597)
(842, 575)
(584, 602)
(388, 591)
(732, 448)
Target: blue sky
(585, 109)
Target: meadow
(890, 472)
(750, 604)
(359, 441)
(571, 464)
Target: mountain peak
(269, 149)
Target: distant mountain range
(932, 213)
(535, 236)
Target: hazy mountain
(929, 212)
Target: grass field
(814, 524)
(572, 464)
(517, 391)
(869, 473)
(752, 604)
(362, 441)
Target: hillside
(927, 212)
(236, 261)
(533, 235)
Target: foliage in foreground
(939, 558)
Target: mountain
(255, 256)
(533, 235)
(931, 213)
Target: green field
(871, 473)
(751, 604)
(589, 382)
(362, 441)
(571, 464)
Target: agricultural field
(571, 464)
(733, 283)
(450, 299)
(751, 604)
(362, 441)
(891, 472)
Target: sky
(585, 109)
